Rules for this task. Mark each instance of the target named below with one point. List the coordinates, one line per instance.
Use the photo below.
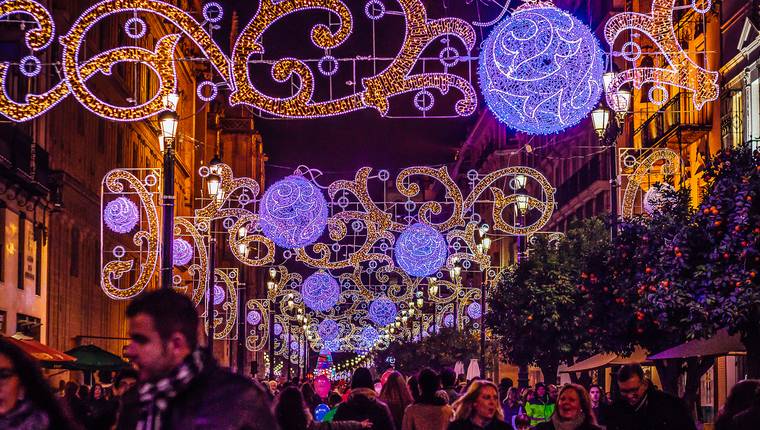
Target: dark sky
(364, 138)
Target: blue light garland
(421, 250)
(293, 212)
(541, 70)
(382, 311)
(320, 292)
(328, 330)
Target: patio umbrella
(473, 369)
(47, 356)
(639, 356)
(720, 344)
(92, 358)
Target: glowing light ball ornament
(382, 311)
(320, 292)
(421, 250)
(474, 311)
(121, 215)
(328, 330)
(657, 197)
(369, 335)
(293, 212)
(253, 317)
(541, 70)
(183, 252)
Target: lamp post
(168, 121)
(212, 183)
(270, 287)
(608, 132)
(484, 246)
(243, 250)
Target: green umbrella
(91, 358)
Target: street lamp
(168, 123)
(213, 182)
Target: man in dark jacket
(363, 404)
(180, 385)
(642, 406)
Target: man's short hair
(125, 374)
(628, 371)
(448, 377)
(171, 312)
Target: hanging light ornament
(382, 311)
(328, 330)
(293, 212)
(253, 317)
(421, 250)
(183, 252)
(474, 311)
(320, 292)
(369, 336)
(657, 197)
(541, 69)
(218, 295)
(121, 215)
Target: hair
(333, 399)
(743, 395)
(395, 390)
(429, 382)
(125, 374)
(464, 405)
(102, 392)
(414, 387)
(70, 390)
(84, 392)
(448, 377)
(628, 371)
(362, 378)
(37, 390)
(585, 401)
(308, 392)
(290, 410)
(515, 391)
(171, 312)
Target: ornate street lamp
(213, 182)
(168, 122)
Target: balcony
(16, 160)
(676, 122)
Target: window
(28, 325)
(753, 113)
(20, 249)
(3, 322)
(74, 254)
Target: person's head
(71, 389)
(362, 378)
(522, 422)
(414, 387)
(513, 396)
(163, 328)
(553, 391)
(124, 380)
(595, 394)
(504, 385)
(530, 395)
(272, 386)
(290, 411)
(84, 392)
(540, 390)
(573, 401)
(333, 399)
(481, 400)
(97, 392)
(429, 382)
(308, 391)
(633, 386)
(448, 377)
(395, 390)
(743, 395)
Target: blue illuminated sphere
(328, 330)
(541, 70)
(448, 320)
(369, 335)
(320, 292)
(320, 411)
(382, 311)
(421, 250)
(293, 212)
(474, 310)
(332, 345)
(277, 329)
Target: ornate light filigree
(640, 167)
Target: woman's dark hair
(102, 392)
(362, 378)
(290, 411)
(429, 382)
(742, 397)
(414, 387)
(84, 392)
(37, 391)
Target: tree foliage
(436, 351)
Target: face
(486, 403)
(633, 390)
(552, 391)
(569, 404)
(153, 356)
(10, 386)
(595, 393)
(97, 392)
(540, 391)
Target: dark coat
(216, 399)
(465, 424)
(363, 404)
(661, 412)
(548, 425)
(747, 420)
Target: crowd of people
(178, 385)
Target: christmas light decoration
(448, 320)
(474, 311)
(369, 336)
(121, 215)
(382, 311)
(182, 253)
(219, 295)
(30, 66)
(541, 69)
(656, 197)
(328, 330)
(421, 250)
(398, 78)
(680, 71)
(277, 329)
(253, 317)
(320, 292)
(293, 212)
(643, 167)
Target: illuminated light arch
(672, 164)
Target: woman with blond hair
(572, 412)
(479, 409)
(396, 395)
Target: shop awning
(42, 353)
(92, 358)
(639, 356)
(720, 344)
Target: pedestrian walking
(479, 409)
(396, 395)
(363, 403)
(432, 410)
(642, 406)
(743, 396)
(293, 413)
(75, 408)
(598, 403)
(572, 411)
(540, 408)
(181, 384)
(449, 382)
(511, 406)
(26, 400)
